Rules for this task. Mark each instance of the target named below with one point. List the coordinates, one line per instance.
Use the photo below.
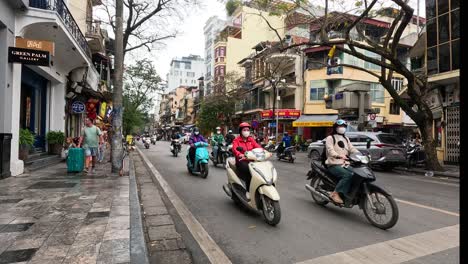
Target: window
(221, 71)
(397, 84)
(455, 55)
(454, 4)
(444, 57)
(394, 108)
(368, 65)
(177, 64)
(216, 52)
(431, 33)
(221, 52)
(430, 9)
(180, 81)
(443, 28)
(188, 65)
(432, 67)
(190, 74)
(377, 93)
(443, 6)
(455, 19)
(317, 90)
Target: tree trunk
(430, 144)
(117, 151)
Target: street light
(276, 91)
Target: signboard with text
(282, 114)
(28, 56)
(35, 45)
(78, 107)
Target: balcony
(61, 9)
(93, 33)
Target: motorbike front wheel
(271, 211)
(204, 170)
(384, 215)
(175, 153)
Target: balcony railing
(93, 29)
(62, 11)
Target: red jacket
(247, 145)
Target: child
(69, 144)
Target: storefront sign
(282, 114)
(78, 107)
(35, 45)
(312, 123)
(28, 56)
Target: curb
(138, 251)
(436, 173)
(209, 247)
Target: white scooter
(147, 143)
(264, 196)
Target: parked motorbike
(147, 143)
(175, 147)
(415, 155)
(221, 156)
(200, 166)
(153, 140)
(378, 205)
(287, 153)
(265, 197)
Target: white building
(31, 96)
(212, 27)
(157, 99)
(185, 71)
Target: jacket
(194, 139)
(247, 145)
(334, 150)
(217, 139)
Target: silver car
(386, 149)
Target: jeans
(345, 175)
(215, 152)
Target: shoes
(85, 170)
(247, 195)
(336, 198)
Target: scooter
(221, 156)
(415, 155)
(200, 167)
(175, 147)
(287, 154)
(270, 146)
(378, 205)
(147, 143)
(264, 196)
(153, 140)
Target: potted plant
(55, 139)
(26, 140)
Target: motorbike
(415, 155)
(221, 156)
(229, 151)
(175, 147)
(265, 197)
(200, 166)
(287, 154)
(147, 143)
(378, 205)
(270, 146)
(153, 140)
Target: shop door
(452, 138)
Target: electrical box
(349, 100)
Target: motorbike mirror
(368, 144)
(240, 149)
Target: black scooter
(286, 154)
(222, 154)
(378, 205)
(415, 155)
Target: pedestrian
(102, 146)
(90, 140)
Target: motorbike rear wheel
(204, 170)
(271, 211)
(176, 153)
(374, 216)
(315, 182)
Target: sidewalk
(451, 171)
(50, 216)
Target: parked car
(387, 150)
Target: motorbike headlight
(364, 159)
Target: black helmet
(195, 129)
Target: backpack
(324, 150)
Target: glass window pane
(430, 9)
(432, 67)
(443, 6)
(313, 94)
(454, 4)
(455, 55)
(443, 29)
(431, 33)
(320, 93)
(444, 58)
(455, 18)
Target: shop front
(315, 127)
(285, 118)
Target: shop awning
(315, 121)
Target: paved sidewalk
(451, 171)
(50, 216)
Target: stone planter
(23, 152)
(55, 149)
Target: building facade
(212, 27)
(185, 71)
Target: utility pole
(116, 146)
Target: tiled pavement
(50, 216)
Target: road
(308, 231)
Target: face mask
(245, 133)
(341, 130)
(218, 132)
(196, 133)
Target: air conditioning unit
(349, 100)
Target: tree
(353, 40)
(231, 6)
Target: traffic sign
(372, 116)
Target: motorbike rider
(194, 138)
(285, 143)
(248, 143)
(174, 136)
(215, 140)
(230, 137)
(338, 150)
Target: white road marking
(397, 250)
(207, 244)
(429, 181)
(427, 207)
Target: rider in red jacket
(247, 143)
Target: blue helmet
(340, 122)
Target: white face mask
(341, 130)
(196, 133)
(245, 133)
(218, 132)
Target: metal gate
(452, 149)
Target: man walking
(91, 137)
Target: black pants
(192, 155)
(244, 172)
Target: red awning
(316, 49)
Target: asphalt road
(306, 230)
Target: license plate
(394, 151)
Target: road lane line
(427, 207)
(397, 250)
(207, 244)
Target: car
(386, 151)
